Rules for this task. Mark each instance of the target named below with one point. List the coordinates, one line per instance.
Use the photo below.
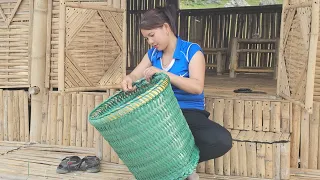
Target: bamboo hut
(61, 58)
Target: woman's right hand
(126, 84)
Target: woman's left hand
(149, 72)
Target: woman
(184, 63)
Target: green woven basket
(148, 131)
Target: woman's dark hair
(155, 18)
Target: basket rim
(140, 99)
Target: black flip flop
(68, 164)
(247, 90)
(90, 164)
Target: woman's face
(158, 37)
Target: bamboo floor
(22, 161)
(223, 85)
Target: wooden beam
(87, 6)
(38, 66)
(62, 40)
(312, 55)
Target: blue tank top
(180, 66)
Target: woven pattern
(94, 45)
(15, 36)
(148, 131)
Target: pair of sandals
(89, 164)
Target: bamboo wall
(214, 28)
(53, 39)
(65, 121)
(15, 42)
(261, 137)
(305, 146)
(14, 116)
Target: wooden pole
(312, 55)
(233, 57)
(38, 65)
(62, 39)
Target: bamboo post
(261, 155)
(10, 116)
(1, 116)
(45, 109)
(242, 154)
(53, 119)
(106, 146)
(90, 135)
(239, 114)
(48, 46)
(276, 59)
(312, 55)
(275, 116)
(248, 110)
(266, 115)
(314, 135)
(285, 156)
(305, 129)
(66, 119)
(21, 116)
(61, 49)
(97, 135)
(227, 163)
(285, 117)
(79, 120)
(228, 114)
(251, 148)
(60, 120)
(210, 163)
(5, 115)
(84, 120)
(234, 157)
(38, 65)
(218, 118)
(257, 115)
(295, 136)
(15, 115)
(276, 155)
(73, 127)
(233, 57)
(220, 64)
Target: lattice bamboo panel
(93, 48)
(15, 42)
(295, 51)
(53, 51)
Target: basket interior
(122, 99)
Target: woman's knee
(218, 144)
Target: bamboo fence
(261, 137)
(15, 43)
(65, 122)
(14, 116)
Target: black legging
(212, 139)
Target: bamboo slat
(218, 118)
(210, 163)
(314, 137)
(305, 134)
(295, 137)
(15, 38)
